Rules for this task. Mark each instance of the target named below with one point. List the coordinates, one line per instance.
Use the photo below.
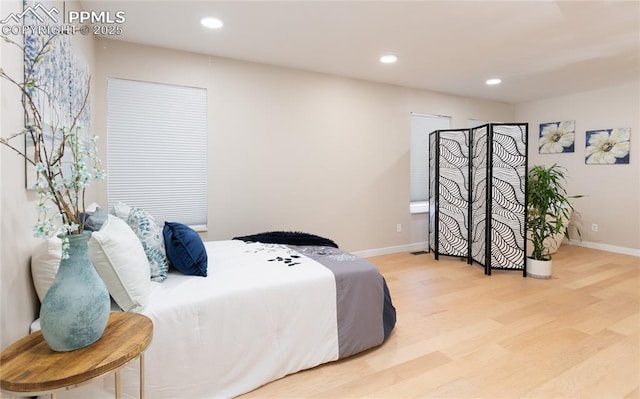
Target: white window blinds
(157, 150)
(421, 126)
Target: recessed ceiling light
(213, 23)
(494, 81)
(388, 59)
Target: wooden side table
(29, 367)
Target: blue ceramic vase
(75, 310)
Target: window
(471, 123)
(157, 150)
(421, 126)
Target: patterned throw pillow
(150, 235)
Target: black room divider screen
(477, 197)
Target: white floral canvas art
(608, 146)
(557, 137)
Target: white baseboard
(419, 246)
(422, 246)
(605, 247)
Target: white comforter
(252, 320)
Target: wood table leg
(141, 375)
(117, 374)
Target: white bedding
(245, 324)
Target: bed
(264, 310)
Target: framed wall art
(557, 137)
(607, 146)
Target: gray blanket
(365, 312)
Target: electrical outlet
(398, 228)
(594, 227)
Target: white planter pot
(538, 268)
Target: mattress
(264, 311)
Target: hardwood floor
(461, 334)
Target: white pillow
(92, 207)
(119, 259)
(45, 262)
(121, 210)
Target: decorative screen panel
(433, 154)
(477, 198)
(453, 189)
(508, 201)
(448, 202)
(479, 166)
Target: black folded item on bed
(288, 238)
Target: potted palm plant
(548, 212)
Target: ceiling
(539, 49)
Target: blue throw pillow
(185, 249)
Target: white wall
(613, 191)
(295, 150)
